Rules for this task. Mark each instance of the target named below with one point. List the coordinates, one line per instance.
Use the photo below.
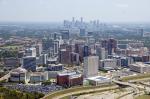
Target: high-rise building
(56, 47)
(101, 52)
(47, 43)
(110, 45)
(65, 34)
(43, 59)
(91, 64)
(30, 52)
(38, 49)
(29, 63)
(140, 32)
(74, 58)
(85, 51)
(82, 32)
(64, 56)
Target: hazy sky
(57, 10)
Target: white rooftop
(98, 78)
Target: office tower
(38, 49)
(56, 47)
(64, 34)
(29, 63)
(140, 32)
(64, 56)
(91, 64)
(47, 43)
(110, 45)
(73, 20)
(82, 32)
(43, 59)
(79, 50)
(74, 58)
(101, 53)
(81, 19)
(30, 52)
(85, 51)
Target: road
(5, 77)
(136, 87)
(83, 91)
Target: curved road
(78, 92)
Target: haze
(58, 10)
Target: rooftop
(98, 78)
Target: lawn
(143, 97)
(140, 76)
(13, 47)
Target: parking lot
(35, 88)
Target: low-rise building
(18, 75)
(140, 67)
(99, 80)
(38, 77)
(69, 79)
(55, 67)
(108, 64)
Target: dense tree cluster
(8, 53)
(13, 94)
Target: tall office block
(29, 63)
(85, 51)
(82, 32)
(30, 52)
(38, 49)
(110, 45)
(65, 34)
(91, 64)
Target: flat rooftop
(140, 64)
(98, 78)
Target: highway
(5, 77)
(136, 87)
(78, 92)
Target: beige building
(91, 64)
(140, 67)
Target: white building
(43, 59)
(18, 75)
(38, 77)
(91, 64)
(99, 80)
(108, 64)
(30, 52)
(140, 67)
(38, 49)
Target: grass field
(140, 76)
(13, 47)
(143, 97)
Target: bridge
(134, 86)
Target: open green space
(13, 94)
(143, 97)
(140, 76)
(11, 47)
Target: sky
(58, 10)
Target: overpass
(5, 77)
(136, 87)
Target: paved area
(77, 92)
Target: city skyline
(57, 11)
